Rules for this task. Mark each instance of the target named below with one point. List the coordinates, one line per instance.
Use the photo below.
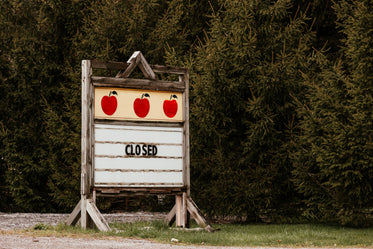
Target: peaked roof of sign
(137, 59)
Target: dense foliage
(281, 100)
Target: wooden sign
(135, 139)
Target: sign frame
(86, 209)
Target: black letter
(155, 150)
(137, 150)
(127, 147)
(144, 150)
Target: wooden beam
(124, 65)
(138, 123)
(109, 65)
(133, 61)
(169, 70)
(170, 218)
(197, 215)
(138, 83)
(96, 216)
(137, 59)
(74, 216)
(145, 68)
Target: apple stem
(145, 95)
(173, 96)
(113, 93)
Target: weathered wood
(135, 191)
(83, 213)
(133, 62)
(168, 70)
(197, 214)
(124, 65)
(138, 123)
(148, 84)
(86, 128)
(145, 68)
(96, 216)
(86, 142)
(185, 79)
(109, 65)
(74, 216)
(184, 218)
(137, 59)
(178, 200)
(139, 184)
(170, 218)
(94, 196)
(172, 190)
(91, 136)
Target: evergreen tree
(113, 30)
(35, 40)
(23, 144)
(335, 172)
(4, 112)
(325, 115)
(61, 112)
(242, 114)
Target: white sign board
(138, 156)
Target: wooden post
(86, 148)
(186, 146)
(85, 141)
(83, 212)
(178, 210)
(185, 222)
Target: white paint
(139, 134)
(114, 168)
(105, 178)
(138, 163)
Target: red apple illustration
(142, 106)
(109, 103)
(170, 106)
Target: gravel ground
(24, 242)
(14, 221)
(17, 221)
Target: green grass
(309, 235)
(255, 235)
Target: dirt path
(18, 221)
(12, 221)
(26, 242)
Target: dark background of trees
(281, 100)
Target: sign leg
(75, 215)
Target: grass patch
(254, 235)
(306, 235)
